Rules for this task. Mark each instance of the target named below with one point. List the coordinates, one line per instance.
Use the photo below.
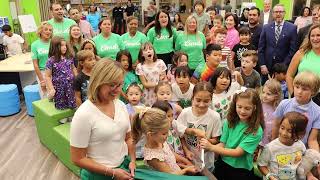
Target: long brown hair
(55, 49)
(256, 119)
(306, 45)
(71, 39)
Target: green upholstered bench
(51, 133)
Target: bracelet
(270, 174)
(106, 171)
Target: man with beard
(60, 24)
(254, 26)
(277, 42)
(303, 32)
(84, 25)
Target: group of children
(175, 113)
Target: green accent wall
(27, 7)
(288, 4)
(5, 10)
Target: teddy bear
(310, 159)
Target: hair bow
(241, 90)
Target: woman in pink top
(231, 23)
(304, 19)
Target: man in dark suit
(266, 15)
(303, 32)
(277, 42)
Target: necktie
(278, 32)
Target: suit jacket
(261, 21)
(303, 32)
(270, 52)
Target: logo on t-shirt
(192, 43)
(107, 48)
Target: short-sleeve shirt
(203, 72)
(251, 81)
(202, 20)
(220, 102)
(184, 99)
(130, 78)
(94, 20)
(238, 49)
(311, 110)
(13, 44)
(62, 28)
(81, 83)
(98, 132)
(281, 159)
(236, 137)
(133, 44)
(193, 45)
(164, 155)
(40, 52)
(210, 123)
(164, 43)
(108, 47)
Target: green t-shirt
(62, 29)
(162, 44)
(235, 137)
(40, 52)
(193, 45)
(108, 47)
(133, 44)
(310, 62)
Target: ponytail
(136, 128)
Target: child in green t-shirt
(240, 137)
(125, 60)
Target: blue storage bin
(31, 93)
(9, 99)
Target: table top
(17, 63)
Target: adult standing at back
(40, 50)
(215, 6)
(192, 42)
(231, 22)
(303, 32)
(254, 26)
(307, 58)
(277, 42)
(304, 19)
(118, 19)
(94, 18)
(266, 14)
(133, 39)
(60, 24)
(108, 44)
(162, 36)
(84, 25)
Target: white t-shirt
(103, 137)
(281, 159)
(13, 44)
(266, 17)
(220, 102)
(178, 95)
(209, 122)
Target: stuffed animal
(310, 159)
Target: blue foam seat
(31, 93)
(9, 99)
